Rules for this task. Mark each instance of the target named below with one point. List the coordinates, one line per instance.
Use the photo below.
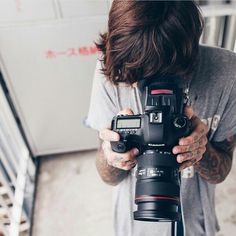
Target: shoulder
(217, 61)
(213, 80)
(100, 82)
(220, 53)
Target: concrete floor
(72, 200)
(226, 203)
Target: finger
(194, 155)
(123, 165)
(131, 162)
(125, 157)
(188, 148)
(109, 135)
(188, 111)
(120, 160)
(126, 111)
(200, 130)
(129, 166)
(185, 148)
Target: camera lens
(157, 188)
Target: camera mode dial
(180, 122)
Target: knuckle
(190, 155)
(190, 147)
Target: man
(156, 38)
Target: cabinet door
(49, 70)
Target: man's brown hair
(147, 38)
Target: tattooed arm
(113, 167)
(109, 174)
(217, 160)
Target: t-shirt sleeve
(103, 106)
(227, 124)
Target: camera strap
(178, 227)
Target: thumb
(126, 111)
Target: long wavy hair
(148, 38)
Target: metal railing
(220, 25)
(17, 173)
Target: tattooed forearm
(217, 160)
(108, 173)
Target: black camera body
(155, 133)
(162, 123)
(148, 131)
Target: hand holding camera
(190, 149)
(124, 161)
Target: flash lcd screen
(128, 123)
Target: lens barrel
(157, 192)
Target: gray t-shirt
(213, 96)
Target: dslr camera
(155, 133)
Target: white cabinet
(48, 67)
